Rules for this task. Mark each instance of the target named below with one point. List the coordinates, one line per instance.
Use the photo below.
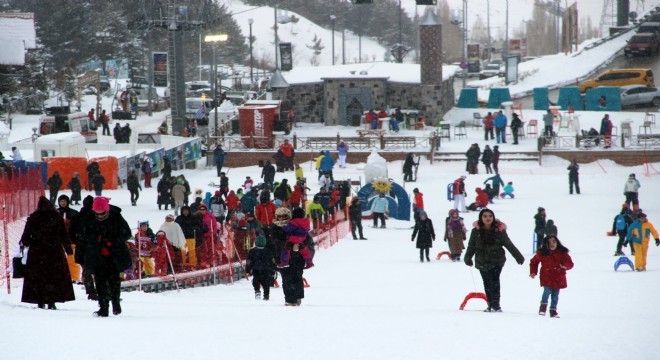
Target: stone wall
(306, 99)
(327, 101)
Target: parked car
(637, 95)
(642, 44)
(490, 70)
(620, 77)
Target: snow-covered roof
(17, 34)
(69, 137)
(393, 72)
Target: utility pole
(250, 22)
(333, 18)
(343, 47)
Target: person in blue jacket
(500, 127)
(342, 151)
(219, 157)
(327, 163)
(379, 207)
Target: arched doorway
(354, 112)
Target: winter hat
(540, 209)
(278, 202)
(101, 203)
(641, 215)
(452, 212)
(423, 213)
(632, 176)
(203, 206)
(298, 213)
(283, 212)
(169, 217)
(144, 223)
(415, 190)
(64, 197)
(217, 193)
(510, 182)
(260, 241)
(625, 205)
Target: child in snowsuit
(551, 228)
(259, 263)
(296, 233)
(455, 234)
(159, 254)
(146, 242)
(508, 190)
(554, 260)
(620, 226)
(639, 235)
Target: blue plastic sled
(623, 260)
(450, 192)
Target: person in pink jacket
(210, 238)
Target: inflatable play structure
(396, 195)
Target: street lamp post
(250, 21)
(333, 18)
(214, 39)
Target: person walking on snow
(455, 234)
(620, 226)
(379, 207)
(573, 177)
(639, 234)
(487, 242)
(259, 264)
(555, 261)
(342, 151)
(355, 216)
(418, 203)
(496, 158)
(459, 194)
(425, 236)
(548, 119)
(516, 124)
(408, 165)
(631, 192)
(487, 159)
(539, 225)
(219, 157)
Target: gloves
(469, 262)
(434, 239)
(445, 239)
(521, 261)
(657, 242)
(412, 239)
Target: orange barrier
(66, 166)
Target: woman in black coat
(408, 167)
(488, 240)
(47, 277)
(164, 193)
(425, 236)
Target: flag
(201, 112)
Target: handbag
(18, 265)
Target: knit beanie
(260, 242)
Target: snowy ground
(373, 299)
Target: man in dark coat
(47, 277)
(191, 226)
(219, 157)
(92, 169)
(516, 124)
(539, 226)
(125, 133)
(573, 177)
(116, 133)
(282, 191)
(54, 183)
(133, 185)
(106, 252)
(98, 180)
(164, 193)
(268, 174)
(408, 168)
(84, 217)
(167, 168)
(355, 216)
(425, 236)
(472, 155)
(487, 159)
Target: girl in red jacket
(554, 260)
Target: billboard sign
(160, 68)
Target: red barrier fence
(19, 195)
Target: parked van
(58, 120)
(620, 77)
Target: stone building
(339, 95)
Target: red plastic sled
(443, 253)
(473, 295)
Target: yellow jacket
(318, 161)
(299, 173)
(640, 232)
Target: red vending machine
(257, 121)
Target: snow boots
(102, 311)
(553, 313)
(543, 308)
(257, 295)
(116, 307)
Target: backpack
(621, 222)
